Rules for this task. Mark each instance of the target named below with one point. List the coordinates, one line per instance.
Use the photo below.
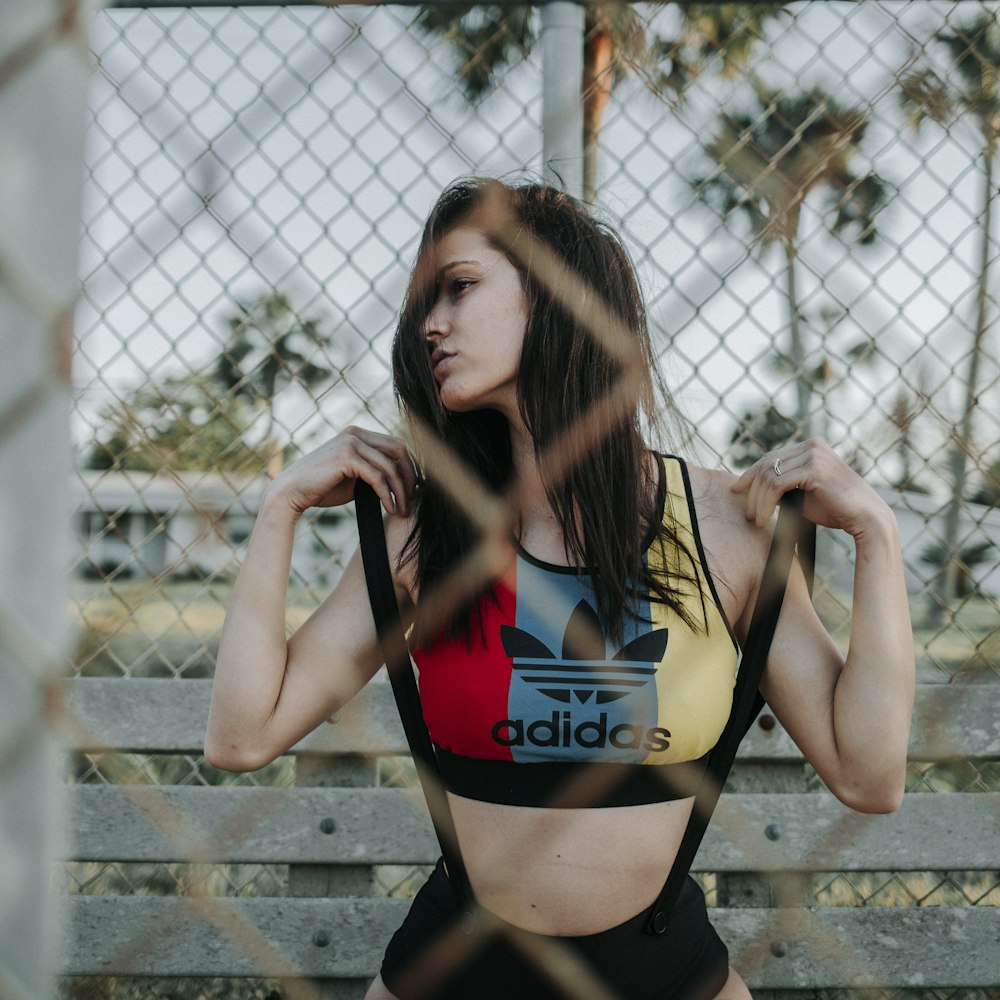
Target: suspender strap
(385, 610)
(792, 528)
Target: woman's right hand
(326, 477)
(269, 691)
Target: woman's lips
(438, 358)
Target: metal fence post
(562, 107)
(43, 83)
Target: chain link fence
(806, 189)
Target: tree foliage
(182, 422)
(758, 431)
(988, 491)
(712, 37)
(210, 418)
(968, 89)
(270, 347)
(904, 410)
(487, 39)
(967, 559)
(772, 157)
(768, 161)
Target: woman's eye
(459, 285)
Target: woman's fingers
(770, 478)
(380, 460)
(836, 496)
(326, 477)
(389, 474)
(395, 449)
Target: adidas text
(558, 731)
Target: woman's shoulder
(736, 548)
(711, 488)
(717, 502)
(713, 497)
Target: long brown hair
(586, 346)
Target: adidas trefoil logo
(584, 671)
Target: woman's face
(476, 327)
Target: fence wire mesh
(806, 189)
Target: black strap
(385, 610)
(792, 529)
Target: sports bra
(537, 708)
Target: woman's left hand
(836, 496)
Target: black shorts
(437, 954)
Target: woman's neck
(537, 526)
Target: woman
(607, 633)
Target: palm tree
(758, 431)
(903, 412)
(182, 422)
(966, 559)
(486, 39)
(768, 163)
(265, 353)
(970, 91)
(830, 366)
(988, 492)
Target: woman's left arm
(850, 716)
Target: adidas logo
(583, 671)
(582, 675)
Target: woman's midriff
(568, 871)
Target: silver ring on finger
(777, 467)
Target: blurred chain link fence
(804, 187)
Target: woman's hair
(586, 351)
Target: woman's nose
(435, 325)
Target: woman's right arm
(270, 691)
